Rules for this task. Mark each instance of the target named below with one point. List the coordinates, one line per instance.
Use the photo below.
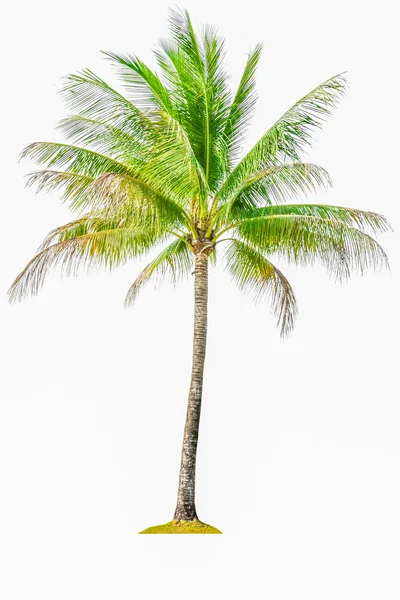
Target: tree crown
(162, 163)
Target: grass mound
(182, 527)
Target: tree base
(182, 527)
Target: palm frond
(255, 274)
(104, 138)
(362, 219)
(242, 107)
(274, 184)
(183, 83)
(183, 69)
(99, 248)
(89, 96)
(74, 229)
(74, 158)
(292, 133)
(172, 165)
(145, 88)
(306, 240)
(196, 71)
(217, 103)
(120, 194)
(74, 187)
(97, 182)
(177, 259)
(156, 145)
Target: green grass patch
(182, 527)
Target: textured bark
(186, 509)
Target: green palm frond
(291, 134)
(145, 89)
(118, 193)
(88, 95)
(172, 165)
(362, 219)
(185, 79)
(177, 259)
(195, 70)
(294, 130)
(151, 232)
(218, 101)
(74, 187)
(74, 158)
(183, 84)
(74, 229)
(242, 107)
(306, 240)
(158, 142)
(91, 248)
(257, 275)
(111, 193)
(274, 184)
(104, 138)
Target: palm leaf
(177, 259)
(172, 165)
(195, 68)
(120, 194)
(107, 248)
(74, 187)
(274, 184)
(89, 96)
(74, 229)
(291, 133)
(242, 107)
(74, 158)
(104, 138)
(145, 88)
(255, 274)
(362, 219)
(305, 240)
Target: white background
(299, 449)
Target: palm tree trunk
(186, 509)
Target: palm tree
(162, 164)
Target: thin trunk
(186, 509)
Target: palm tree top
(161, 162)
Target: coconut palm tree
(161, 163)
